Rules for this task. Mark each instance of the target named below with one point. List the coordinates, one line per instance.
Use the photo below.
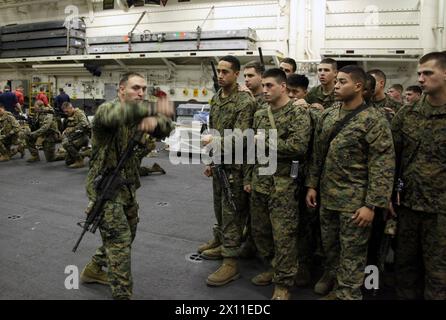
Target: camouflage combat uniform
(76, 126)
(147, 144)
(317, 95)
(419, 132)
(261, 103)
(309, 230)
(233, 112)
(273, 199)
(10, 134)
(48, 130)
(358, 170)
(387, 102)
(113, 126)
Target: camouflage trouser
(6, 143)
(274, 223)
(118, 230)
(345, 246)
(229, 228)
(420, 239)
(49, 147)
(308, 234)
(72, 148)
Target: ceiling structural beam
(122, 64)
(90, 10)
(170, 66)
(24, 3)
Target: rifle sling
(338, 128)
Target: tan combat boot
(34, 158)
(330, 296)
(303, 276)
(281, 293)
(4, 158)
(227, 272)
(211, 244)
(212, 254)
(157, 168)
(325, 284)
(93, 273)
(263, 279)
(77, 164)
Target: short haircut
(291, 62)
(2, 105)
(439, 57)
(255, 65)
(331, 61)
(235, 63)
(356, 73)
(378, 73)
(370, 82)
(127, 76)
(66, 104)
(397, 87)
(42, 89)
(416, 89)
(61, 89)
(276, 73)
(7, 88)
(298, 81)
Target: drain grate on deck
(162, 204)
(14, 217)
(194, 257)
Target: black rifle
(262, 62)
(107, 186)
(219, 170)
(32, 122)
(77, 134)
(215, 77)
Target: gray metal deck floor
(50, 198)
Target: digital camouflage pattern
(412, 270)
(113, 126)
(317, 95)
(360, 164)
(10, 134)
(75, 135)
(419, 132)
(358, 170)
(388, 102)
(233, 112)
(274, 207)
(147, 145)
(345, 247)
(261, 103)
(47, 130)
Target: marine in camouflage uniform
(317, 95)
(419, 131)
(147, 144)
(47, 130)
(309, 235)
(274, 198)
(75, 135)
(113, 126)
(10, 134)
(355, 176)
(388, 102)
(230, 109)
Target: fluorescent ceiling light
(57, 66)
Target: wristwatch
(370, 207)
